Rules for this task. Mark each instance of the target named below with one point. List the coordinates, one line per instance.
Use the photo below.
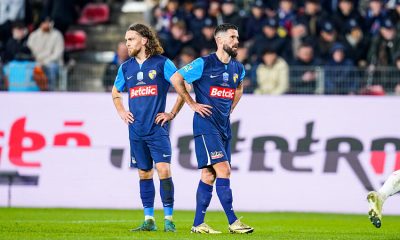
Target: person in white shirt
(47, 46)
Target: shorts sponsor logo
(217, 154)
(133, 160)
(220, 92)
(143, 91)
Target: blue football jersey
(214, 84)
(147, 85)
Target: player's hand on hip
(162, 118)
(203, 109)
(127, 117)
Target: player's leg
(160, 150)
(141, 159)
(205, 187)
(224, 191)
(203, 199)
(377, 198)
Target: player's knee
(164, 173)
(145, 174)
(224, 173)
(208, 177)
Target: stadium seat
(94, 13)
(75, 40)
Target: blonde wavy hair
(153, 45)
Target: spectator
(231, 15)
(175, 40)
(171, 14)
(339, 73)
(197, 19)
(11, 11)
(255, 20)
(298, 35)
(121, 55)
(47, 46)
(303, 76)
(205, 42)
(242, 57)
(374, 16)
(356, 43)
(272, 74)
(270, 38)
(346, 11)
(333, 6)
(17, 43)
(214, 11)
(385, 45)
(312, 16)
(382, 52)
(63, 12)
(286, 16)
(327, 37)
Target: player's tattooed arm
(126, 116)
(238, 95)
(179, 84)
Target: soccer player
(146, 76)
(377, 198)
(217, 82)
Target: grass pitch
(22, 223)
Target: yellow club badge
(235, 77)
(152, 74)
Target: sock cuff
(146, 180)
(205, 186)
(223, 182)
(149, 211)
(166, 180)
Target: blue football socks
(203, 199)
(224, 193)
(167, 196)
(147, 194)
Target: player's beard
(230, 51)
(134, 52)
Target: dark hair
(153, 46)
(268, 50)
(306, 45)
(224, 27)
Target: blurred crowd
(295, 47)
(32, 42)
(344, 37)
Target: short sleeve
(169, 70)
(192, 71)
(119, 80)
(243, 74)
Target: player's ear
(218, 39)
(144, 40)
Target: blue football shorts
(211, 149)
(144, 152)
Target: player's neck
(223, 56)
(141, 57)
